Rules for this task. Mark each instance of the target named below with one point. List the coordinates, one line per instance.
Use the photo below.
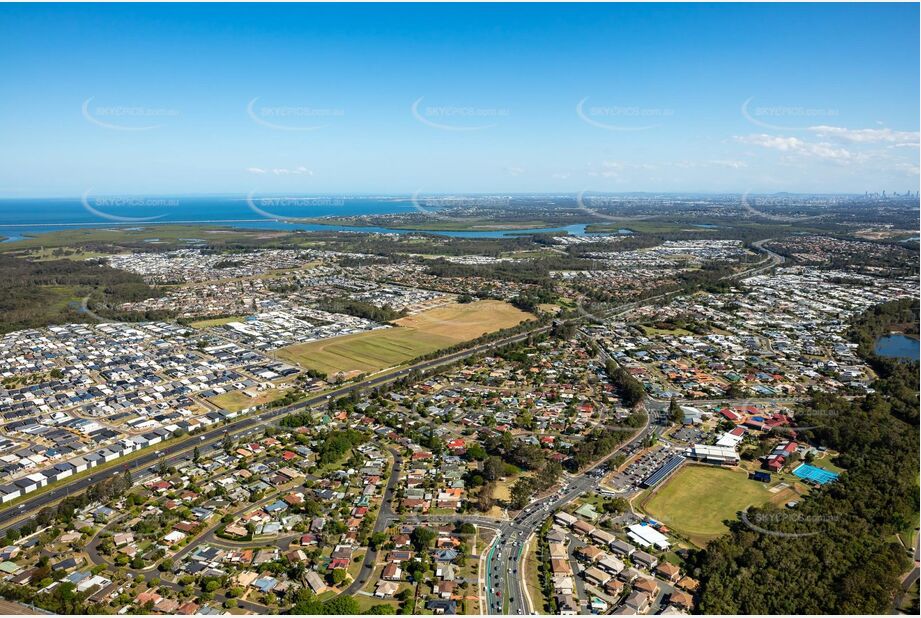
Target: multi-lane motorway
(503, 578)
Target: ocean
(26, 217)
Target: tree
(616, 505)
(675, 414)
(422, 538)
(338, 576)
(630, 389)
(494, 468)
(735, 392)
(466, 528)
(476, 452)
(377, 540)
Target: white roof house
(647, 536)
(729, 439)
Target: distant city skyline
(509, 99)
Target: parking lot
(690, 435)
(631, 476)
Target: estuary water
(20, 218)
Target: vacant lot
(696, 500)
(414, 336)
(238, 400)
(465, 322)
(215, 321)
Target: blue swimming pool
(815, 474)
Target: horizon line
(409, 195)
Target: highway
(172, 453)
(502, 581)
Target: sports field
(414, 336)
(695, 501)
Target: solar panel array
(663, 471)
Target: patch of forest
(36, 294)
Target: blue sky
(172, 99)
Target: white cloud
(865, 136)
(281, 171)
(686, 164)
(827, 151)
(784, 144)
(514, 170)
(297, 171)
(619, 170)
(909, 169)
(729, 163)
(794, 145)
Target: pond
(897, 345)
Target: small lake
(898, 346)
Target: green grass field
(215, 322)
(413, 336)
(826, 464)
(365, 352)
(695, 501)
